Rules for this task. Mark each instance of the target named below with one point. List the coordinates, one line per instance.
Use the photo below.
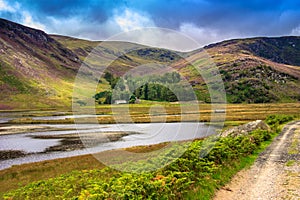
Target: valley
(72, 127)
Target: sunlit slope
(36, 70)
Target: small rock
(227, 188)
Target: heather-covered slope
(36, 70)
(250, 72)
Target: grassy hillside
(38, 70)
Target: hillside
(247, 77)
(137, 54)
(38, 70)
(250, 72)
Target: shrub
(278, 119)
(171, 182)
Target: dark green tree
(145, 91)
(132, 99)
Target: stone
(245, 129)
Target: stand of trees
(158, 92)
(164, 87)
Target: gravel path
(275, 174)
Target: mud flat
(71, 142)
(10, 154)
(17, 129)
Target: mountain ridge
(258, 45)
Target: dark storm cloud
(89, 9)
(248, 17)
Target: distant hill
(259, 69)
(285, 50)
(37, 70)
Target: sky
(206, 21)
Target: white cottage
(120, 101)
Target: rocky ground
(275, 174)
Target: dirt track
(275, 174)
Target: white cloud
(187, 37)
(158, 37)
(67, 26)
(28, 21)
(204, 36)
(78, 27)
(296, 31)
(130, 20)
(125, 26)
(24, 17)
(6, 7)
(140, 28)
(120, 26)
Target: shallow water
(62, 117)
(149, 133)
(6, 116)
